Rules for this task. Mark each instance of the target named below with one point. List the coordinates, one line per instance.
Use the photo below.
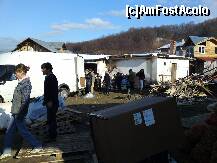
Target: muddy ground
(100, 102)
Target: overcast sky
(74, 21)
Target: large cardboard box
(131, 132)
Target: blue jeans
(17, 124)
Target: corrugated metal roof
(197, 39)
(52, 46)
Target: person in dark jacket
(19, 109)
(119, 78)
(50, 99)
(107, 83)
(141, 76)
(132, 78)
(88, 78)
(98, 82)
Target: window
(202, 49)
(215, 50)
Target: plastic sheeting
(4, 119)
(5, 115)
(36, 112)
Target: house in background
(157, 67)
(204, 52)
(31, 44)
(200, 47)
(174, 48)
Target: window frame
(202, 50)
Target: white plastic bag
(89, 95)
(5, 115)
(4, 120)
(38, 112)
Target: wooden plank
(70, 158)
(57, 155)
(66, 144)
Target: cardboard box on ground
(132, 132)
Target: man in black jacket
(50, 99)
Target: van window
(7, 73)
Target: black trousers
(52, 123)
(88, 87)
(132, 87)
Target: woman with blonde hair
(19, 109)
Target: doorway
(173, 72)
(91, 66)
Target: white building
(157, 67)
(95, 62)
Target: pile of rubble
(191, 87)
(65, 123)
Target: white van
(67, 67)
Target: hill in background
(140, 40)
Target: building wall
(154, 68)
(136, 65)
(164, 67)
(209, 45)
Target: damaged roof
(167, 46)
(197, 39)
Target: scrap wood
(65, 123)
(208, 92)
(187, 87)
(76, 143)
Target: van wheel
(63, 92)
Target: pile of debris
(191, 87)
(73, 143)
(66, 119)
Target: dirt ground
(99, 102)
